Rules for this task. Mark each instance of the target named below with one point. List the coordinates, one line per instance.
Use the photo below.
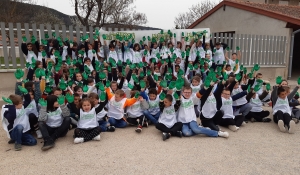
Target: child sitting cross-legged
(116, 105)
(167, 122)
(15, 119)
(102, 115)
(87, 126)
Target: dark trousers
(33, 121)
(136, 121)
(237, 121)
(212, 122)
(258, 116)
(87, 134)
(54, 133)
(285, 117)
(176, 127)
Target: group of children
(94, 88)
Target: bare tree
(100, 12)
(183, 20)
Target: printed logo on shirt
(54, 113)
(87, 116)
(153, 104)
(211, 100)
(30, 106)
(282, 102)
(21, 113)
(169, 111)
(255, 100)
(227, 102)
(136, 106)
(116, 104)
(195, 90)
(187, 104)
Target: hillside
(17, 12)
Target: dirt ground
(257, 148)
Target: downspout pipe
(292, 52)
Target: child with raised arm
(167, 122)
(281, 109)
(54, 120)
(135, 114)
(87, 126)
(187, 116)
(153, 112)
(102, 115)
(15, 120)
(116, 105)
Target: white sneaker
(223, 134)
(97, 138)
(281, 126)
(233, 128)
(292, 127)
(38, 134)
(78, 140)
(244, 123)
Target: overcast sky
(160, 13)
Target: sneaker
(233, 128)
(165, 136)
(97, 138)
(244, 123)
(179, 134)
(292, 127)
(281, 126)
(48, 144)
(138, 129)
(223, 134)
(11, 141)
(146, 124)
(78, 140)
(295, 120)
(38, 134)
(252, 120)
(266, 104)
(110, 129)
(18, 147)
(266, 119)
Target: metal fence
(14, 32)
(256, 49)
(265, 50)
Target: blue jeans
(103, 124)
(245, 109)
(117, 123)
(192, 128)
(22, 138)
(152, 118)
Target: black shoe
(165, 136)
(266, 120)
(110, 129)
(48, 144)
(18, 147)
(11, 141)
(179, 134)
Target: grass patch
(2, 63)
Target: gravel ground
(257, 148)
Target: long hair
(51, 99)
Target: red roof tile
(286, 13)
